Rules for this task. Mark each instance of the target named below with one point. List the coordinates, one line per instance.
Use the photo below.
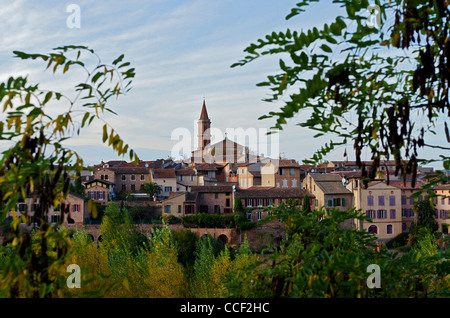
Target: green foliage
(118, 231)
(37, 168)
(151, 188)
(364, 83)
(426, 214)
(186, 241)
(208, 220)
(321, 259)
(306, 205)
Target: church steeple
(204, 125)
(204, 113)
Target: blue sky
(182, 51)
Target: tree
(77, 186)
(306, 206)
(364, 83)
(151, 188)
(426, 215)
(36, 167)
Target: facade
(409, 216)
(167, 181)
(258, 199)
(180, 204)
(101, 191)
(442, 206)
(248, 174)
(281, 173)
(74, 204)
(381, 203)
(330, 192)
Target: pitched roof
(325, 177)
(272, 192)
(100, 180)
(185, 171)
(164, 173)
(130, 170)
(442, 187)
(204, 113)
(212, 188)
(407, 184)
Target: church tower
(204, 125)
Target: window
(124, 187)
(330, 202)
(76, 208)
(54, 218)
(373, 229)
(370, 200)
(133, 177)
(217, 209)
(371, 214)
(249, 216)
(142, 177)
(90, 194)
(133, 187)
(188, 209)
(389, 229)
(392, 214)
(403, 199)
(202, 195)
(336, 202)
(343, 201)
(281, 171)
(259, 202)
(124, 177)
(294, 183)
(284, 183)
(192, 177)
(258, 215)
(167, 189)
(317, 202)
(382, 214)
(291, 171)
(392, 200)
(167, 208)
(380, 200)
(106, 177)
(227, 202)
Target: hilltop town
(167, 189)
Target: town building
(330, 192)
(382, 204)
(442, 206)
(72, 210)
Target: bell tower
(204, 125)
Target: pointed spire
(204, 113)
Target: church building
(222, 152)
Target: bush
(400, 240)
(208, 220)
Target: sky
(182, 52)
